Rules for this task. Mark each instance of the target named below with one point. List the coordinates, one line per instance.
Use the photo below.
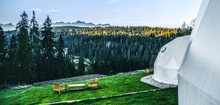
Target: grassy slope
(162, 97)
(107, 86)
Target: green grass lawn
(162, 97)
(113, 85)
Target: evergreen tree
(48, 45)
(12, 49)
(2, 55)
(2, 46)
(60, 49)
(23, 49)
(60, 57)
(81, 66)
(12, 64)
(34, 34)
(36, 39)
(70, 66)
(31, 64)
(35, 47)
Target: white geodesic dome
(169, 60)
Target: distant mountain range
(10, 26)
(80, 24)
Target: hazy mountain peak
(7, 26)
(80, 24)
(10, 26)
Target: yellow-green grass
(107, 86)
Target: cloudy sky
(165, 13)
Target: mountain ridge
(80, 24)
(10, 26)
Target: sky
(156, 13)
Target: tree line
(37, 54)
(126, 30)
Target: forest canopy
(32, 53)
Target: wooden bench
(59, 87)
(93, 83)
(76, 86)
